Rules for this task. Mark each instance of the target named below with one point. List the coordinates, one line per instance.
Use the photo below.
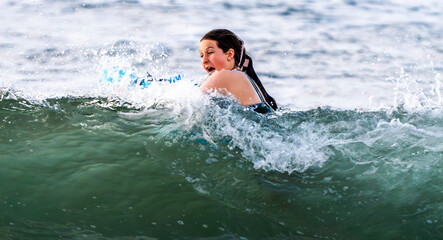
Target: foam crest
(289, 153)
(262, 142)
(396, 132)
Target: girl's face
(213, 58)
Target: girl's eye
(208, 53)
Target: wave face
(104, 168)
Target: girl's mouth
(210, 70)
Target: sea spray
(416, 95)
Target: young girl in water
(231, 72)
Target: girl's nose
(204, 59)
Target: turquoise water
(354, 152)
(93, 168)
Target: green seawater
(96, 168)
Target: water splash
(416, 95)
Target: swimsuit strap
(254, 85)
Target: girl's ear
(230, 54)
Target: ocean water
(354, 152)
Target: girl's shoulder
(225, 79)
(232, 82)
(227, 74)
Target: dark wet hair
(226, 40)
